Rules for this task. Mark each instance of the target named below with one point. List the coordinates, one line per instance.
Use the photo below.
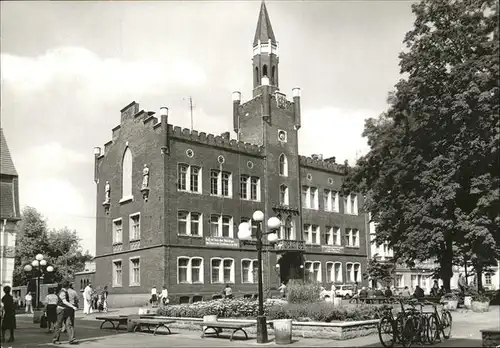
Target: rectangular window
(214, 182)
(284, 195)
(329, 272)
(305, 200)
(226, 180)
(221, 226)
(354, 204)
(253, 223)
(357, 272)
(226, 226)
(188, 178)
(190, 270)
(338, 272)
(313, 270)
(135, 227)
(244, 186)
(310, 197)
(347, 206)
(349, 272)
(327, 200)
(355, 238)
(216, 270)
(135, 272)
(314, 197)
(117, 231)
(117, 273)
(196, 224)
(487, 279)
(214, 225)
(246, 270)
(315, 234)
(222, 270)
(254, 188)
(182, 220)
(228, 266)
(332, 236)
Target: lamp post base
(261, 329)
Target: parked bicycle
(439, 322)
(397, 329)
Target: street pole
(261, 318)
(38, 289)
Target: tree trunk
(479, 279)
(447, 265)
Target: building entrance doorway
(291, 266)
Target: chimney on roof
(225, 136)
(318, 157)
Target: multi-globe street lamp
(245, 234)
(39, 263)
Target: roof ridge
(6, 164)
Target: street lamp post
(245, 233)
(38, 264)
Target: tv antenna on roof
(190, 110)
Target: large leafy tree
(61, 248)
(431, 175)
(382, 271)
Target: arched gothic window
(127, 174)
(283, 165)
(264, 70)
(257, 75)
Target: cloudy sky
(67, 68)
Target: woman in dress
(51, 303)
(9, 317)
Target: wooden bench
(112, 319)
(218, 326)
(155, 322)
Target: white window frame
(487, 279)
(189, 270)
(349, 234)
(284, 197)
(246, 187)
(331, 275)
(333, 235)
(189, 222)
(115, 239)
(309, 265)
(339, 278)
(131, 226)
(308, 229)
(358, 278)
(253, 225)
(131, 271)
(219, 183)
(311, 192)
(350, 275)
(331, 200)
(127, 180)
(252, 278)
(188, 178)
(115, 280)
(221, 271)
(283, 165)
(220, 225)
(354, 204)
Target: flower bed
(246, 308)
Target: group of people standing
(155, 299)
(95, 300)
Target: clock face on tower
(282, 136)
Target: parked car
(345, 291)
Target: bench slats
(222, 325)
(152, 321)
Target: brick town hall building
(169, 200)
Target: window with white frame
(331, 200)
(135, 272)
(249, 271)
(189, 223)
(284, 195)
(313, 269)
(332, 236)
(189, 270)
(117, 231)
(221, 183)
(188, 178)
(310, 197)
(249, 188)
(399, 281)
(221, 226)
(222, 270)
(312, 234)
(353, 272)
(487, 279)
(352, 237)
(253, 224)
(334, 272)
(117, 273)
(283, 165)
(127, 174)
(135, 226)
(351, 204)
(286, 230)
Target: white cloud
(95, 73)
(334, 132)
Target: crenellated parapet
(322, 165)
(214, 140)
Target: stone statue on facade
(107, 192)
(145, 176)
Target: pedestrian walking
(87, 299)
(104, 296)
(28, 300)
(64, 312)
(154, 297)
(51, 309)
(9, 315)
(164, 295)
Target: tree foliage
(431, 175)
(61, 248)
(382, 271)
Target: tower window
(264, 70)
(283, 165)
(127, 174)
(257, 75)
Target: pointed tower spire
(265, 54)
(264, 31)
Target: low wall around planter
(333, 331)
(491, 337)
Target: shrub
(246, 308)
(299, 292)
(450, 297)
(481, 298)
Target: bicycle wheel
(432, 329)
(387, 332)
(446, 324)
(407, 336)
(421, 328)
